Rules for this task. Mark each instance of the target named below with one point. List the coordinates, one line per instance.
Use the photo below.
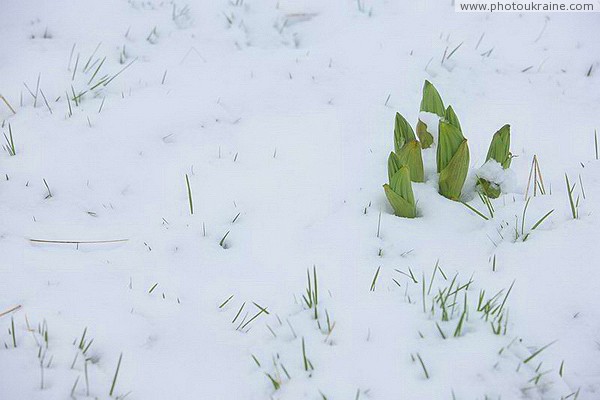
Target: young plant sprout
(403, 132)
(452, 160)
(499, 152)
(451, 118)
(431, 103)
(407, 151)
(399, 192)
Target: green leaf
(490, 189)
(402, 208)
(425, 137)
(401, 184)
(452, 118)
(452, 177)
(432, 101)
(500, 147)
(450, 138)
(403, 132)
(400, 195)
(410, 155)
(394, 165)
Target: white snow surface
(281, 113)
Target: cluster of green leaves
(405, 163)
(452, 149)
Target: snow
(493, 172)
(281, 115)
(432, 121)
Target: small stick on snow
(7, 104)
(78, 241)
(15, 308)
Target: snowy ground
(281, 115)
